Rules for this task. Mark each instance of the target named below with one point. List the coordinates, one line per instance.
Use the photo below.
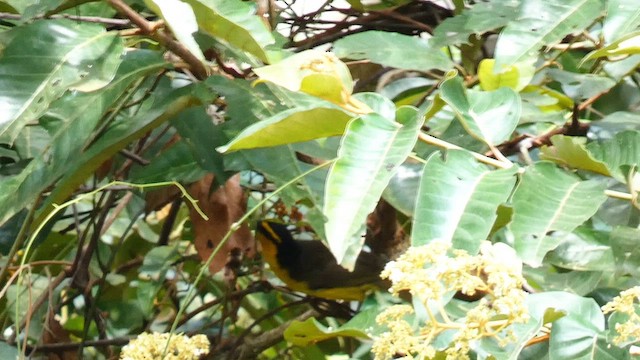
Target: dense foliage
(497, 140)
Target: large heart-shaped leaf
(371, 150)
(458, 199)
(549, 199)
(489, 116)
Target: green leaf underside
(67, 54)
(458, 199)
(489, 116)
(541, 23)
(581, 86)
(392, 49)
(371, 150)
(549, 199)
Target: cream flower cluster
(626, 303)
(433, 271)
(151, 347)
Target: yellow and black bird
(309, 266)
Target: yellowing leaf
(516, 76)
(627, 45)
(314, 72)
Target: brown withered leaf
(223, 207)
(54, 333)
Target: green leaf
(490, 117)
(622, 17)
(310, 331)
(626, 45)
(491, 348)
(181, 20)
(476, 20)
(584, 250)
(403, 187)
(8, 352)
(70, 122)
(623, 150)
(235, 22)
(550, 199)
(581, 86)
(626, 250)
(246, 105)
(371, 150)
(115, 138)
(392, 49)
(200, 135)
(577, 335)
(458, 199)
(571, 151)
(541, 23)
(66, 55)
(312, 118)
(174, 164)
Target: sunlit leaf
(234, 22)
(181, 20)
(626, 45)
(572, 151)
(371, 150)
(458, 199)
(311, 119)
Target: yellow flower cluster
(625, 303)
(433, 271)
(151, 347)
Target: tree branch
(197, 67)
